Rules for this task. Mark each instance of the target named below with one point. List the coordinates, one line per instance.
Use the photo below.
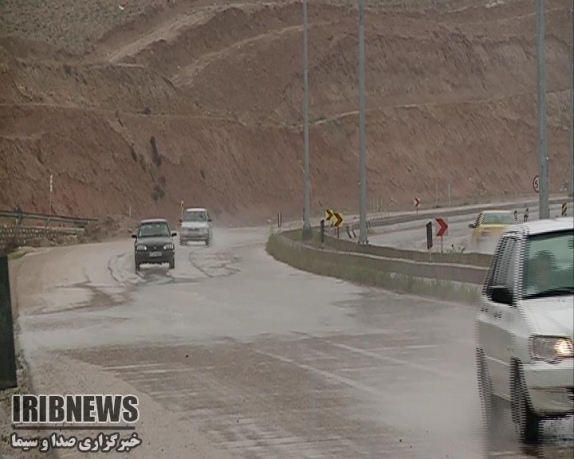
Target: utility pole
(572, 101)
(50, 198)
(307, 231)
(544, 211)
(363, 240)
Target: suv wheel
(137, 266)
(526, 421)
(491, 404)
(172, 263)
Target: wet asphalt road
(412, 236)
(234, 355)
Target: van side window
(495, 269)
(508, 277)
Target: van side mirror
(134, 236)
(174, 234)
(180, 220)
(209, 219)
(472, 225)
(502, 294)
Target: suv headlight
(551, 349)
(169, 246)
(141, 247)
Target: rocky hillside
(139, 104)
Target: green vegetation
(16, 254)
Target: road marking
(328, 375)
(136, 366)
(418, 366)
(412, 346)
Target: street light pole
(306, 210)
(544, 211)
(362, 135)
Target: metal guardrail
(19, 217)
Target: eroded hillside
(144, 103)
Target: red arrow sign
(417, 202)
(338, 219)
(443, 227)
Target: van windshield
(195, 216)
(549, 265)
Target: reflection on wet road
(236, 355)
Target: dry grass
(289, 252)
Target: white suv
(196, 226)
(525, 326)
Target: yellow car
(489, 225)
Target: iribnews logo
(75, 412)
(47, 410)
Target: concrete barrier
(349, 246)
(451, 272)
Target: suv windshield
(549, 265)
(195, 216)
(154, 230)
(502, 218)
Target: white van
(196, 226)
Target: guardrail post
(8, 375)
(322, 234)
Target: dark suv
(154, 244)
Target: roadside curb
(440, 281)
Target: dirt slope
(139, 104)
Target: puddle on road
(215, 264)
(193, 265)
(157, 276)
(81, 295)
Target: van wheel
(527, 422)
(491, 404)
(137, 266)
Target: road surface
(234, 355)
(413, 235)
